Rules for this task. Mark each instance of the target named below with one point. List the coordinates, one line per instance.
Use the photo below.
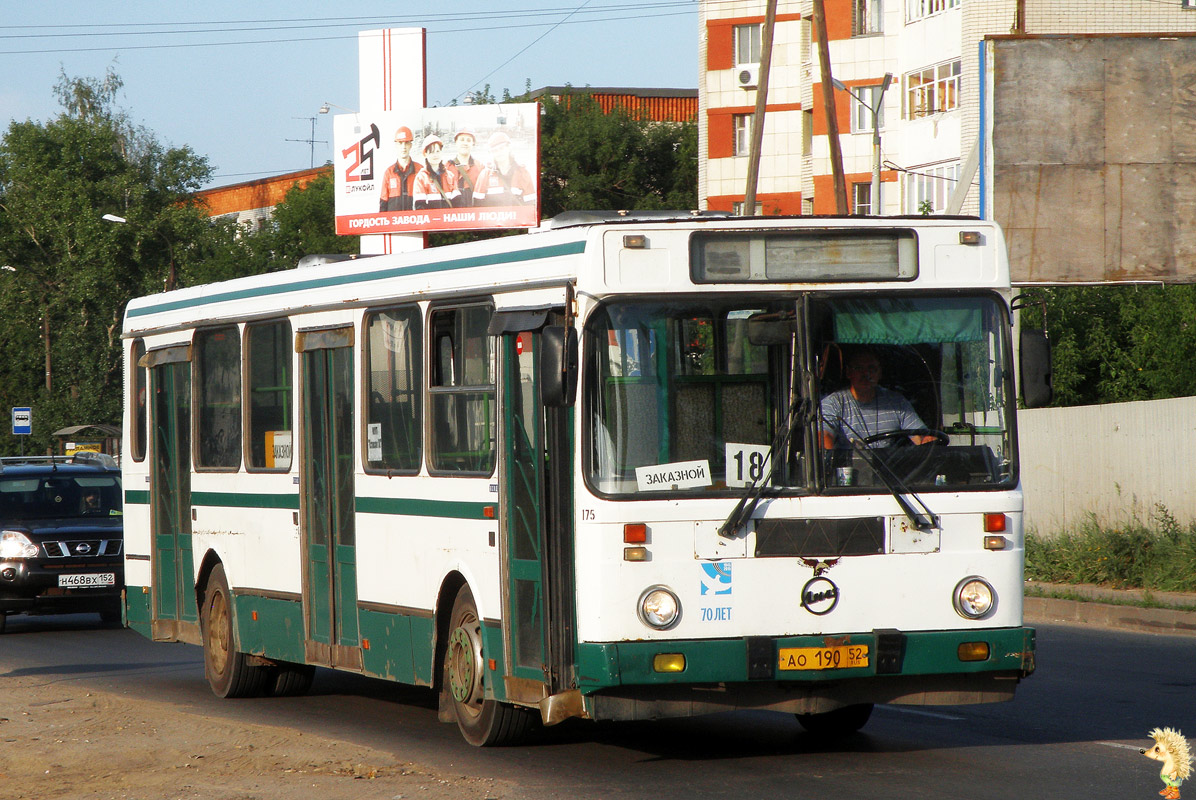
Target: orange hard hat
(403, 134)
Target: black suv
(61, 536)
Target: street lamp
(875, 109)
(170, 276)
(327, 107)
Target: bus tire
(227, 669)
(290, 680)
(840, 722)
(483, 722)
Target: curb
(1170, 621)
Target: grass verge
(1155, 555)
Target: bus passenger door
(327, 495)
(170, 492)
(536, 470)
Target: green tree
(591, 160)
(67, 272)
(1121, 343)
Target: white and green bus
(583, 472)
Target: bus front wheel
(483, 722)
(227, 669)
(840, 722)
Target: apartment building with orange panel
(929, 117)
(729, 73)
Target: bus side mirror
(558, 366)
(1034, 352)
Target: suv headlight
(14, 544)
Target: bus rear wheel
(290, 680)
(840, 722)
(483, 722)
(228, 670)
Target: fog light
(8, 574)
(635, 554)
(995, 542)
(973, 651)
(973, 597)
(668, 662)
(659, 608)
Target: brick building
(251, 203)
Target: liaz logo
(819, 596)
(362, 155)
(716, 578)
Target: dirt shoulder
(65, 741)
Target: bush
(1157, 554)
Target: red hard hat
(498, 138)
(403, 134)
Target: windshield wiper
(923, 520)
(751, 496)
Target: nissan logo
(83, 548)
(819, 596)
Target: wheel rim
(464, 661)
(218, 633)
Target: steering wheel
(903, 434)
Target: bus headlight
(974, 597)
(14, 544)
(659, 608)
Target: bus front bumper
(802, 674)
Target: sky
(242, 82)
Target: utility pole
(753, 176)
(828, 102)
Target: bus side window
(461, 397)
(394, 410)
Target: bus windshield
(711, 395)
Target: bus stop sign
(22, 421)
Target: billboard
(437, 169)
(1091, 165)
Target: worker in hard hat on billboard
(505, 182)
(399, 178)
(469, 169)
(436, 184)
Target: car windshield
(698, 395)
(59, 496)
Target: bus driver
(865, 409)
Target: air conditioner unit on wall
(747, 77)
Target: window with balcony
(928, 189)
(920, 9)
(932, 90)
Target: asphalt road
(1073, 731)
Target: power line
(525, 49)
(236, 26)
(289, 40)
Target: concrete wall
(1115, 461)
(1093, 156)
